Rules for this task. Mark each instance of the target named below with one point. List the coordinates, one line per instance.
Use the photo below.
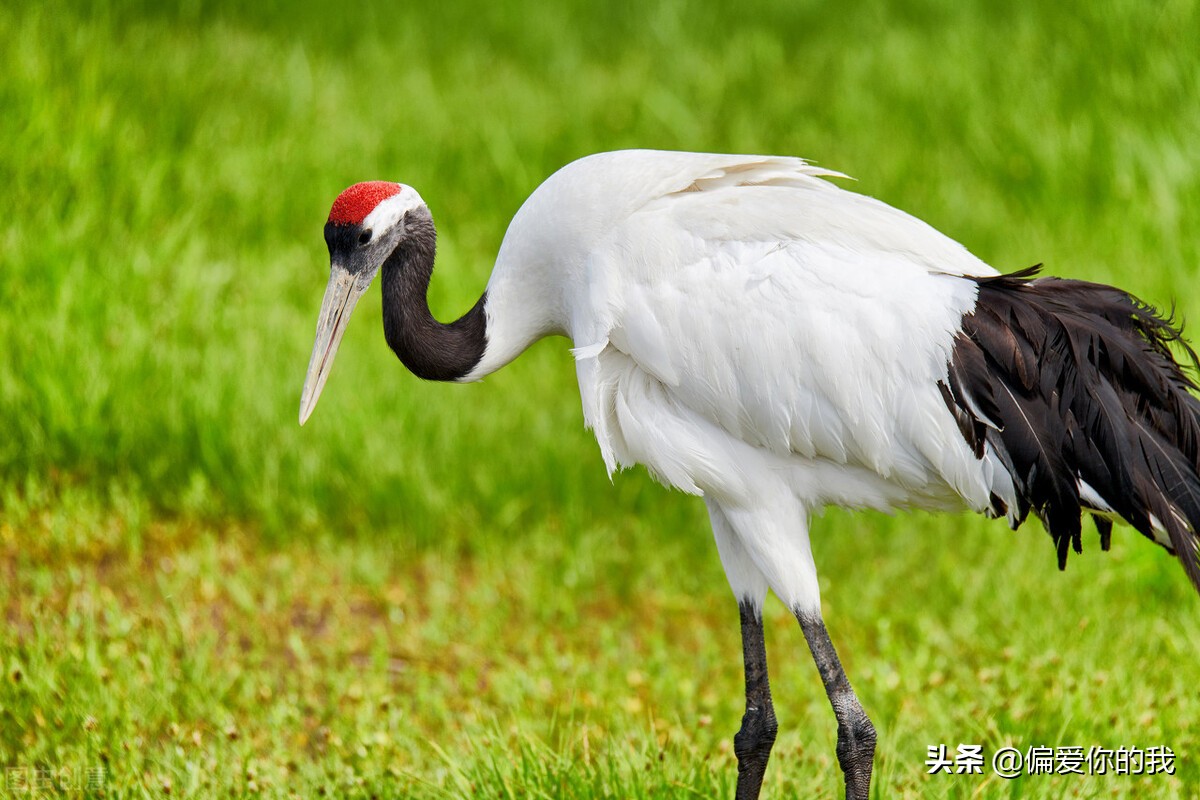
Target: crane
(759, 337)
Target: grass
(203, 599)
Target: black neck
(430, 349)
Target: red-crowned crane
(761, 338)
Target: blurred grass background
(435, 590)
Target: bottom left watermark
(53, 780)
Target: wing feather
(791, 328)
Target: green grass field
(200, 599)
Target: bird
(755, 335)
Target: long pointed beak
(341, 295)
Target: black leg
(752, 744)
(856, 734)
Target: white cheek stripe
(389, 212)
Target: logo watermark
(43, 781)
(1012, 762)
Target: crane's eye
(364, 238)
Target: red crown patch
(353, 205)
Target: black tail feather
(1071, 383)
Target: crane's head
(367, 222)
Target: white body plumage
(752, 333)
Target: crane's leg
(772, 535)
(856, 734)
(753, 741)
